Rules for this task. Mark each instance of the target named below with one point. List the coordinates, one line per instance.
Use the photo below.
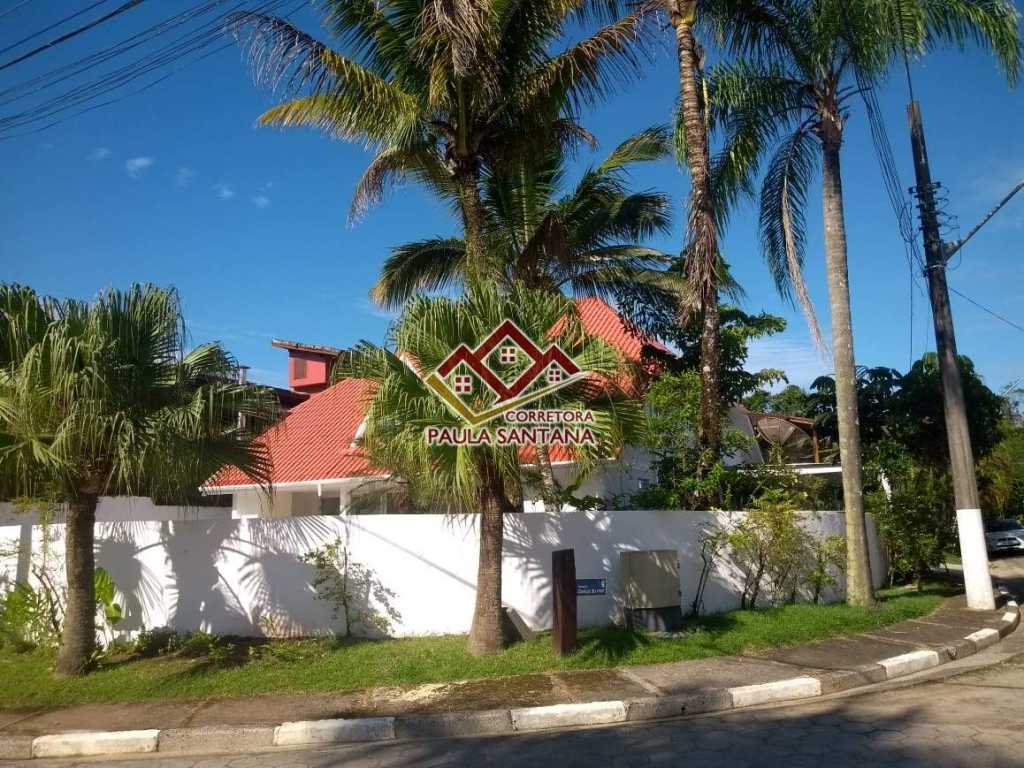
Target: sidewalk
(528, 702)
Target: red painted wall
(308, 371)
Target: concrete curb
(228, 739)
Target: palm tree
(795, 92)
(102, 399)
(484, 478)
(443, 92)
(586, 242)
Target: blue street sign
(591, 586)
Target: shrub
(351, 588)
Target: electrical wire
(72, 34)
(983, 308)
(12, 9)
(56, 24)
(191, 44)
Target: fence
(246, 577)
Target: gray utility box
(651, 595)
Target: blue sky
(177, 186)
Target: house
(319, 464)
(321, 468)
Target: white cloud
(184, 176)
(224, 191)
(100, 153)
(797, 357)
(137, 165)
(261, 201)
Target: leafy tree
(672, 405)
(913, 507)
(736, 330)
(483, 477)
(1001, 474)
(102, 399)
(793, 92)
(907, 409)
(920, 423)
(444, 92)
(791, 400)
(878, 391)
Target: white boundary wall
(245, 577)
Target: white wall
(245, 577)
(117, 509)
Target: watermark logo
(503, 373)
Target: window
(463, 385)
(555, 375)
(509, 355)
(300, 368)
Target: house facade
(320, 467)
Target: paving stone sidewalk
(943, 631)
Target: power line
(983, 308)
(12, 9)
(56, 24)
(72, 34)
(183, 50)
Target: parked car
(1004, 536)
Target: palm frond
(782, 219)
(423, 266)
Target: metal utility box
(651, 594)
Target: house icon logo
(507, 365)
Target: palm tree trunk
(858, 568)
(702, 232)
(468, 180)
(485, 635)
(79, 636)
(548, 486)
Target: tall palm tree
(102, 399)
(443, 92)
(795, 93)
(585, 242)
(483, 478)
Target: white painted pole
(974, 556)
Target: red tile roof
(315, 441)
(599, 319)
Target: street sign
(591, 586)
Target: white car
(1004, 536)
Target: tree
(794, 91)
(101, 399)
(585, 242)
(482, 476)
(907, 409)
(443, 92)
(736, 330)
(791, 400)
(878, 390)
(919, 423)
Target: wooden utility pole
(974, 553)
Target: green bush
(28, 619)
(915, 517)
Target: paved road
(974, 719)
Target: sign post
(563, 590)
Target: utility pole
(973, 552)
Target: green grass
(249, 668)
